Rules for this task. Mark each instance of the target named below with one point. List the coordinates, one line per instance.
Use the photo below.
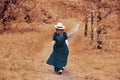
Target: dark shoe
(60, 71)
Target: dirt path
(46, 72)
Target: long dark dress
(59, 56)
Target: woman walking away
(59, 56)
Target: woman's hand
(53, 42)
(67, 43)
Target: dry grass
(18, 51)
(24, 42)
(92, 64)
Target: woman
(59, 56)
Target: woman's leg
(58, 70)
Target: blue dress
(59, 56)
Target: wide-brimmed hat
(59, 26)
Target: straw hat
(59, 26)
